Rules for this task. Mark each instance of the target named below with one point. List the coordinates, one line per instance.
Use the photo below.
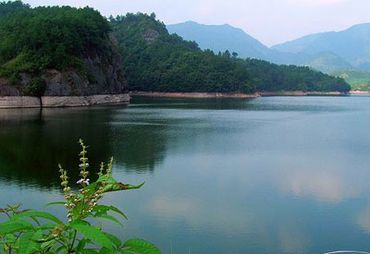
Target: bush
(36, 87)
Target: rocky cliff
(101, 73)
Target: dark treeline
(272, 77)
(35, 39)
(157, 61)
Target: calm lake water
(269, 175)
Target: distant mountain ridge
(329, 52)
(221, 38)
(352, 45)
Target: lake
(268, 175)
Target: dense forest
(37, 39)
(47, 37)
(57, 51)
(154, 60)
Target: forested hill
(154, 60)
(63, 51)
(57, 51)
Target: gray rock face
(62, 101)
(80, 101)
(102, 73)
(150, 35)
(19, 102)
(7, 90)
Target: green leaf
(81, 245)
(47, 227)
(56, 203)
(105, 251)
(109, 184)
(39, 214)
(89, 251)
(48, 245)
(92, 233)
(27, 243)
(117, 242)
(14, 226)
(103, 209)
(139, 246)
(111, 187)
(116, 210)
(110, 218)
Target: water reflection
(33, 142)
(271, 175)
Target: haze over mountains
(330, 52)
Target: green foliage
(157, 61)
(10, 7)
(154, 60)
(139, 246)
(29, 231)
(35, 39)
(272, 77)
(36, 87)
(359, 80)
(48, 37)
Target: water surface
(269, 175)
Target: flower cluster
(81, 204)
(69, 196)
(84, 173)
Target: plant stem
(73, 242)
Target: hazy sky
(270, 21)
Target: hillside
(358, 80)
(57, 51)
(154, 60)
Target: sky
(270, 21)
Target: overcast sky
(270, 21)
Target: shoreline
(193, 95)
(8, 102)
(358, 92)
(231, 95)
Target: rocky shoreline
(111, 99)
(358, 92)
(193, 95)
(62, 101)
(232, 95)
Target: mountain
(65, 51)
(57, 51)
(328, 52)
(156, 60)
(351, 45)
(221, 38)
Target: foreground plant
(28, 231)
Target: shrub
(36, 87)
